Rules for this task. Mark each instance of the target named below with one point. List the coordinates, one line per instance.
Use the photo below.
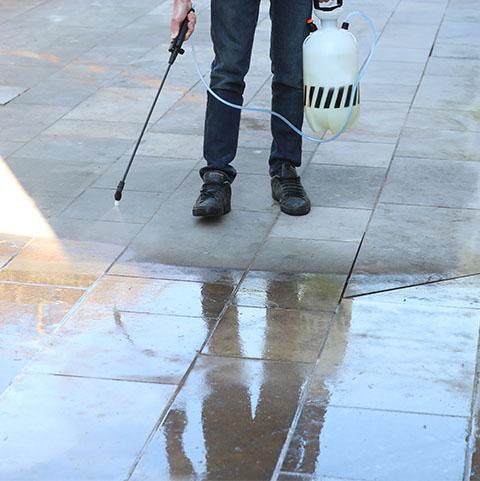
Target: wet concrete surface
(141, 344)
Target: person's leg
(232, 31)
(289, 30)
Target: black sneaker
(288, 191)
(215, 195)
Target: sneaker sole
(296, 212)
(203, 213)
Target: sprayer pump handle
(176, 44)
(328, 7)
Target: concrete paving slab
(343, 186)
(235, 409)
(112, 344)
(439, 119)
(377, 444)
(364, 154)
(271, 334)
(440, 183)
(401, 248)
(305, 255)
(62, 263)
(28, 316)
(390, 339)
(7, 94)
(439, 144)
(155, 296)
(324, 223)
(298, 291)
(83, 419)
(97, 204)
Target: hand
(180, 11)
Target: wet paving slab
(28, 315)
(112, 344)
(273, 334)
(61, 262)
(157, 296)
(299, 291)
(10, 245)
(390, 397)
(229, 421)
(76, 428)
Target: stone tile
(394, 72)
(7, 148)
(28, 315)
(439, 144)
(411, 34)
(312, 292)
(148, 174)
(456, 50)
(159, 296)
(172, 145)
(461, 293)
(25, 77)
(388, 92)
(458, 33)
(408, 245)
(324, 223)
(21, 123)
(74, 149)
(10, 246)
(97, 129)
(227, 243)
(343, 186)
(441, 183)
(274, 334)
(71, 421)
(58, 92)
(51, 177)
(453, 67)
(130, 265)
(361, 154)
(449, 93)
(64, 263)
(420, 358)
(255, 161)
(114, 103)
(117, 233)
(113, 344)
(351, 443)
(305, 255)
(7, 94)
(300, 477)
(97, 204)
(229, 421)
(401, 54)
(258, 185)
(379, 122)
(437, 119)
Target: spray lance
(330, 70)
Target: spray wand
(175, 50)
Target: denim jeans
(233, 26)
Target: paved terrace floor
(141, 344)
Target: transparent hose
(361, 74)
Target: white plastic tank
(330, 70)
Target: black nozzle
(118, 192)
(176, 45)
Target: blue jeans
(232, 30)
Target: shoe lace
(210, 190)
(292, 186)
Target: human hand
(181, 9)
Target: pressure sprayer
(330, 70)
